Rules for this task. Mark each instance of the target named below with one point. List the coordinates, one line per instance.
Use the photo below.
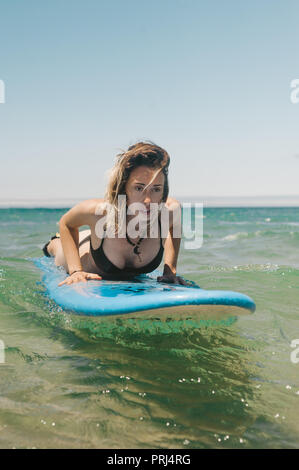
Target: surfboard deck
(143, 297)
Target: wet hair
(140, 154)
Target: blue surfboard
(143, 296)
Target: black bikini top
(105, 264)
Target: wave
(259, 233)
(239, 235)
(266, 267)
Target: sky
(207, 80)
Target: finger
(184, 283)
(70, 281)
(94, 276)
(169, 280)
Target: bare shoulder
(97, 205)
(172, 204)
(83, 213)
(94, 208)
(174, 210)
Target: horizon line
(208, 201)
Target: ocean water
(68, 383)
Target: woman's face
(145, 185)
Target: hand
(173, 279)
(80, 276)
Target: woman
(140, 176)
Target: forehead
(144, 174)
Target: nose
(147, 199)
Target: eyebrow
(142, 184)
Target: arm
(82, 214)
(172, 246)
(171, 253)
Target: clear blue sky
(207, 80)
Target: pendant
(137, 252)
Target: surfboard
(143, 296)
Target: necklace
(136, 246)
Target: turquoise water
(68, 382)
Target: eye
(157, 190)
(138, 188)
